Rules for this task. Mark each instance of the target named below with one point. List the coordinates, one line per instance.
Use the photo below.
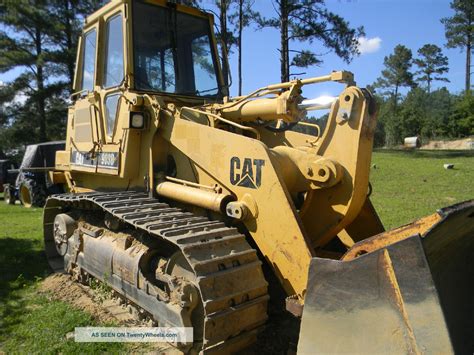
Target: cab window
(111, 108)
(114, 70)
(173, 52)
(88, 60)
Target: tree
(309, 21)
(396, 73)
(462, 118)
(24, 45)
(440, 108)
(387, 131)
(241, 19)
(40, 37)
(432, 64)
(459, 32)
(413, 114)
(66, 27)
(226, 37)
(7, 95)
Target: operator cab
(135, 47)
(173, 50)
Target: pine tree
(225, 37)
(40, 38)
(432, 64)
(7, 94)
(459, 31)
(68, 17)
(24, 43)
(310, 21)
(242, 18)
(396, 73)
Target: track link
(228, 272)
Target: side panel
(243, 165)
(83, 136)
(348, 140)
(99, 138)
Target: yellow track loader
(178, 194)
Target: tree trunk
(395, 98)
(468, 64)
(241, 26)
(41, 100)
(69, 43)
(468, 53)
(224, 40)
(285, 55)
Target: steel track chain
(228, 272)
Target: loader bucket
(410, 290)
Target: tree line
(424, 112)
(298, 21)
(39, 38)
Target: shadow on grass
(21, 264)
(436, 154)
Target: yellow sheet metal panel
(244, 166)
(348, 140)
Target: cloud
(20, 98)
(369, 45)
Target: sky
(387, 23)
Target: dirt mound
(61, 287)
(102, 309)
(279, 336)
(460, 144)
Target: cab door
(101, 141)
(83, 124)
(110, 99)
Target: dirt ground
(61, 287)
(104, 310)
(460, 144)
(278, 337)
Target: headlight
(137, 120)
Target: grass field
(29, 321)
(410, 184)
(406, 185)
